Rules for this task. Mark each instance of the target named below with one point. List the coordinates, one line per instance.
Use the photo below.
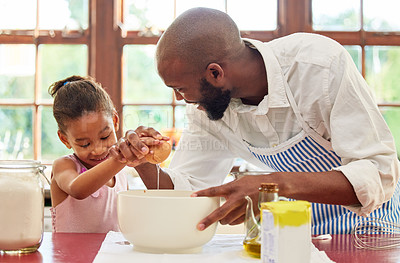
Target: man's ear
(63, 138)
(115, 120)
(215, 74)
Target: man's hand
(134, 146)
(234, 209)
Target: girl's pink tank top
(95, 214)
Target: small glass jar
(268, 192)
(21, 206)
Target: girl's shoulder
(65, 162)
(64, 159)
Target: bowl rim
(126, 193)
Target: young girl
(85, 184)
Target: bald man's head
(198, 37)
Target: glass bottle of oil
(268, 192)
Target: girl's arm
(82, 185)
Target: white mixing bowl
(164, 221)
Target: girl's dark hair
(76, 96)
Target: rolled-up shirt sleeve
(361, 137)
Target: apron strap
(316, 136)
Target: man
(297, 105)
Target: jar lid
(19, 164)
(269, 187)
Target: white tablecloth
(222, 248)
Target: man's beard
(214, 100)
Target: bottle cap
(269, 187)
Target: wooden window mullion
(35, 118)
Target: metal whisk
(376, 234)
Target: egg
(158, 153)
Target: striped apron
(310, 152)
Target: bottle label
(269, 238)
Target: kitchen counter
(71, 247)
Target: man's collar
(276, 81)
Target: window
(370, 30)
(40, 42)
(145, 100)
(114, 41)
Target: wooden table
(341, 249)
(82, 248)
(62, 247)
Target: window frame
(37, 37)
(106, 38)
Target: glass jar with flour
(21, 206)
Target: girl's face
(91, 137)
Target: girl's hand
(116, 153)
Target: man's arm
(151, 173)
(320, 187)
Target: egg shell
(160, 152)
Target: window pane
(141, 83)
(392, 117)
(158, 117)
(382, 15)
(174, 134)
(63, 14)
(339, 15)
(16, 133)
(382, 67)
(17, 71)
(52, 147)
(139, 14)
(355, 53)
(180, 117)
(57, 62)
(17, 14)
(254, 14)
(183, 5)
